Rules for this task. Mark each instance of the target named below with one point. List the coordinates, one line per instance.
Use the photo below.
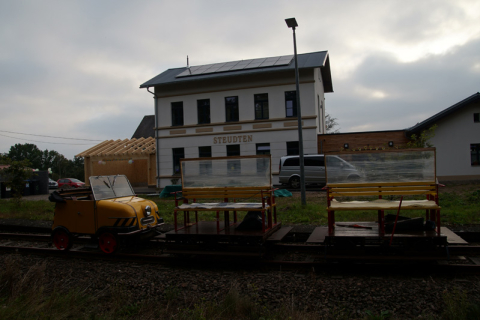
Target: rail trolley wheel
(62, 239)
(108, 242)
(294, 182)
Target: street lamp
(292, 23)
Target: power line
(39, 135)
(72, 144)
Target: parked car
(52, 184)
(72, 182)
(314, 167)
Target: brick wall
(355, 140)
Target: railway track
(463, 259)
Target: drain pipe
(157, 155)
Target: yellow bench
(229, 196)
(381, 189)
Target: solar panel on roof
(255, 63)
(236, 65)
(227, 66)
(214, 68)
(241, 64)
(269, 62)
(284, 60)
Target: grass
(29, 210)
(457, 208)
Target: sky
(70, 71)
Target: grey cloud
(424, 87)
(73, 68)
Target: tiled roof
(146, 128)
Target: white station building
(245, 107)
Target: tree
(330, 124)
(14, 177)
(42, 160)
(421, 141)
(27, 151)
(3, 158)
(50, 159)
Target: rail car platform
(351, 234)
(206, 233)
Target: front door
(82, 216)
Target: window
(233, 166)
(178, 153)
(177, 113)
(475, 154)
(476, 117)
(205, 152)
(314, 161)
(292, 148)
(233, 150)
(317, 161)
(231, 109)
(261, 106)
(321, 116)
(203, 111)
(291, 103)
(262, 148)
(292, 162)
(205, 167)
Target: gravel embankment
(323, 293)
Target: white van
(314, 166)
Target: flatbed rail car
(108, 211)
(230, 185)
(399, 181)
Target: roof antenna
(188, 66)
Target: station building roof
(246, 67)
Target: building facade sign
(233, 139)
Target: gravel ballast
(313, 291)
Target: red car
(70, 182)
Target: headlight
(148, 211)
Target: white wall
(319, 102)
(276, 100)
(452, 140)
(280, 131)
(280, 128)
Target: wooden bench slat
(381, 189)
(229, 196)
(373, 184)
(225, 192)
(224, 188)
(387, 193)
(392, 207)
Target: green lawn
(458, 207)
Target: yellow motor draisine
(108, 210)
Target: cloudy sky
(72, 69)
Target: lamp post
(292, 23)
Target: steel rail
(37, 237)
(366, 263)
(293, 247)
